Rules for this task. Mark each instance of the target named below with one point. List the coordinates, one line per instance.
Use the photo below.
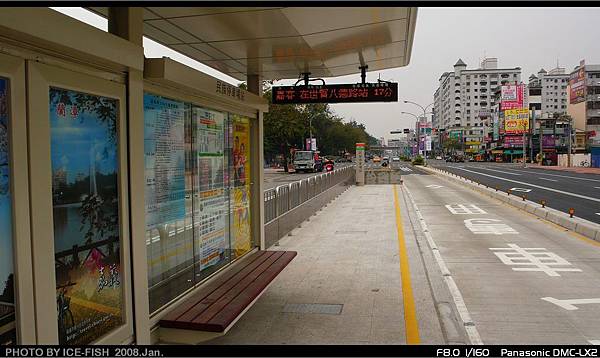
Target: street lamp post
(425, 116)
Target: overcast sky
(530, 38)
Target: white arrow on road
(434, 186)
(569, 305)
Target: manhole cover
(316, 308)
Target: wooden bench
(214, 309)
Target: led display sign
(336, 93)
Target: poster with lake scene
(7, 296)
(85, 198)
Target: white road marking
(464, 209)
(552, 175)
(524, 190)
(542, 259)
(597, 213)
(405, 169)
(434, 186)
(547, 179)
(488, 226)
(569, 305)
(536, 186)
(457, 297)
(597, 187)
(595, 342)
(500, 171)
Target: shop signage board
(512, 96)
(85, 198)
(164, 151)
(7, 279)
(513, 141)
(577, 86)
(516, 121)
(336, 93)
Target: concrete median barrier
(581, 226)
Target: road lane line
(463, 312)
(595, 342)
(410, 313)
(535, 186)
(500, 171)
(548, 179)
(552, 175)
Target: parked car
(395, 159)
(439, 157)
(376, 159)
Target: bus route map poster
(7, 294)
(164, 158)
(85, 198)
(212, 211)
(241, 229)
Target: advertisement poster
(85, 198)
(7, 297)
(241, 236)
(164, 158)
(516, 121)
(495, 126)
(212, 211)
(577, 86)
(511, 97)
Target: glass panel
(7, 296)
(169, 234)
(85, 198)
(211, 199)
(240, 195)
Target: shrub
(418, 160)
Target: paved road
(275, 178)
(560, 190)
(522, 279)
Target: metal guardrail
(286, 197)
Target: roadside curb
(581, 226)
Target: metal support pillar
(257, 162)
(363, 73)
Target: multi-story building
(463, 97)
(551, 87)
(584, 105)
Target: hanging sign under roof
(336, 93)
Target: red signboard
(512, 97)
(577, 84)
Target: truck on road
(307, 161)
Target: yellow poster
(241, 236)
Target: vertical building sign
(242, 240)
(164, 158)
(211, 213)
(577, 85)
(360, 163)
(85, 198)
(7, 297)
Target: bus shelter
(127, 183)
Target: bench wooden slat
(234, 308)
(217, 306)
(210, 287)
(224, 288)
(236, 290)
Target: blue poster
(164, 148)
(85, 198)
(6, 250)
